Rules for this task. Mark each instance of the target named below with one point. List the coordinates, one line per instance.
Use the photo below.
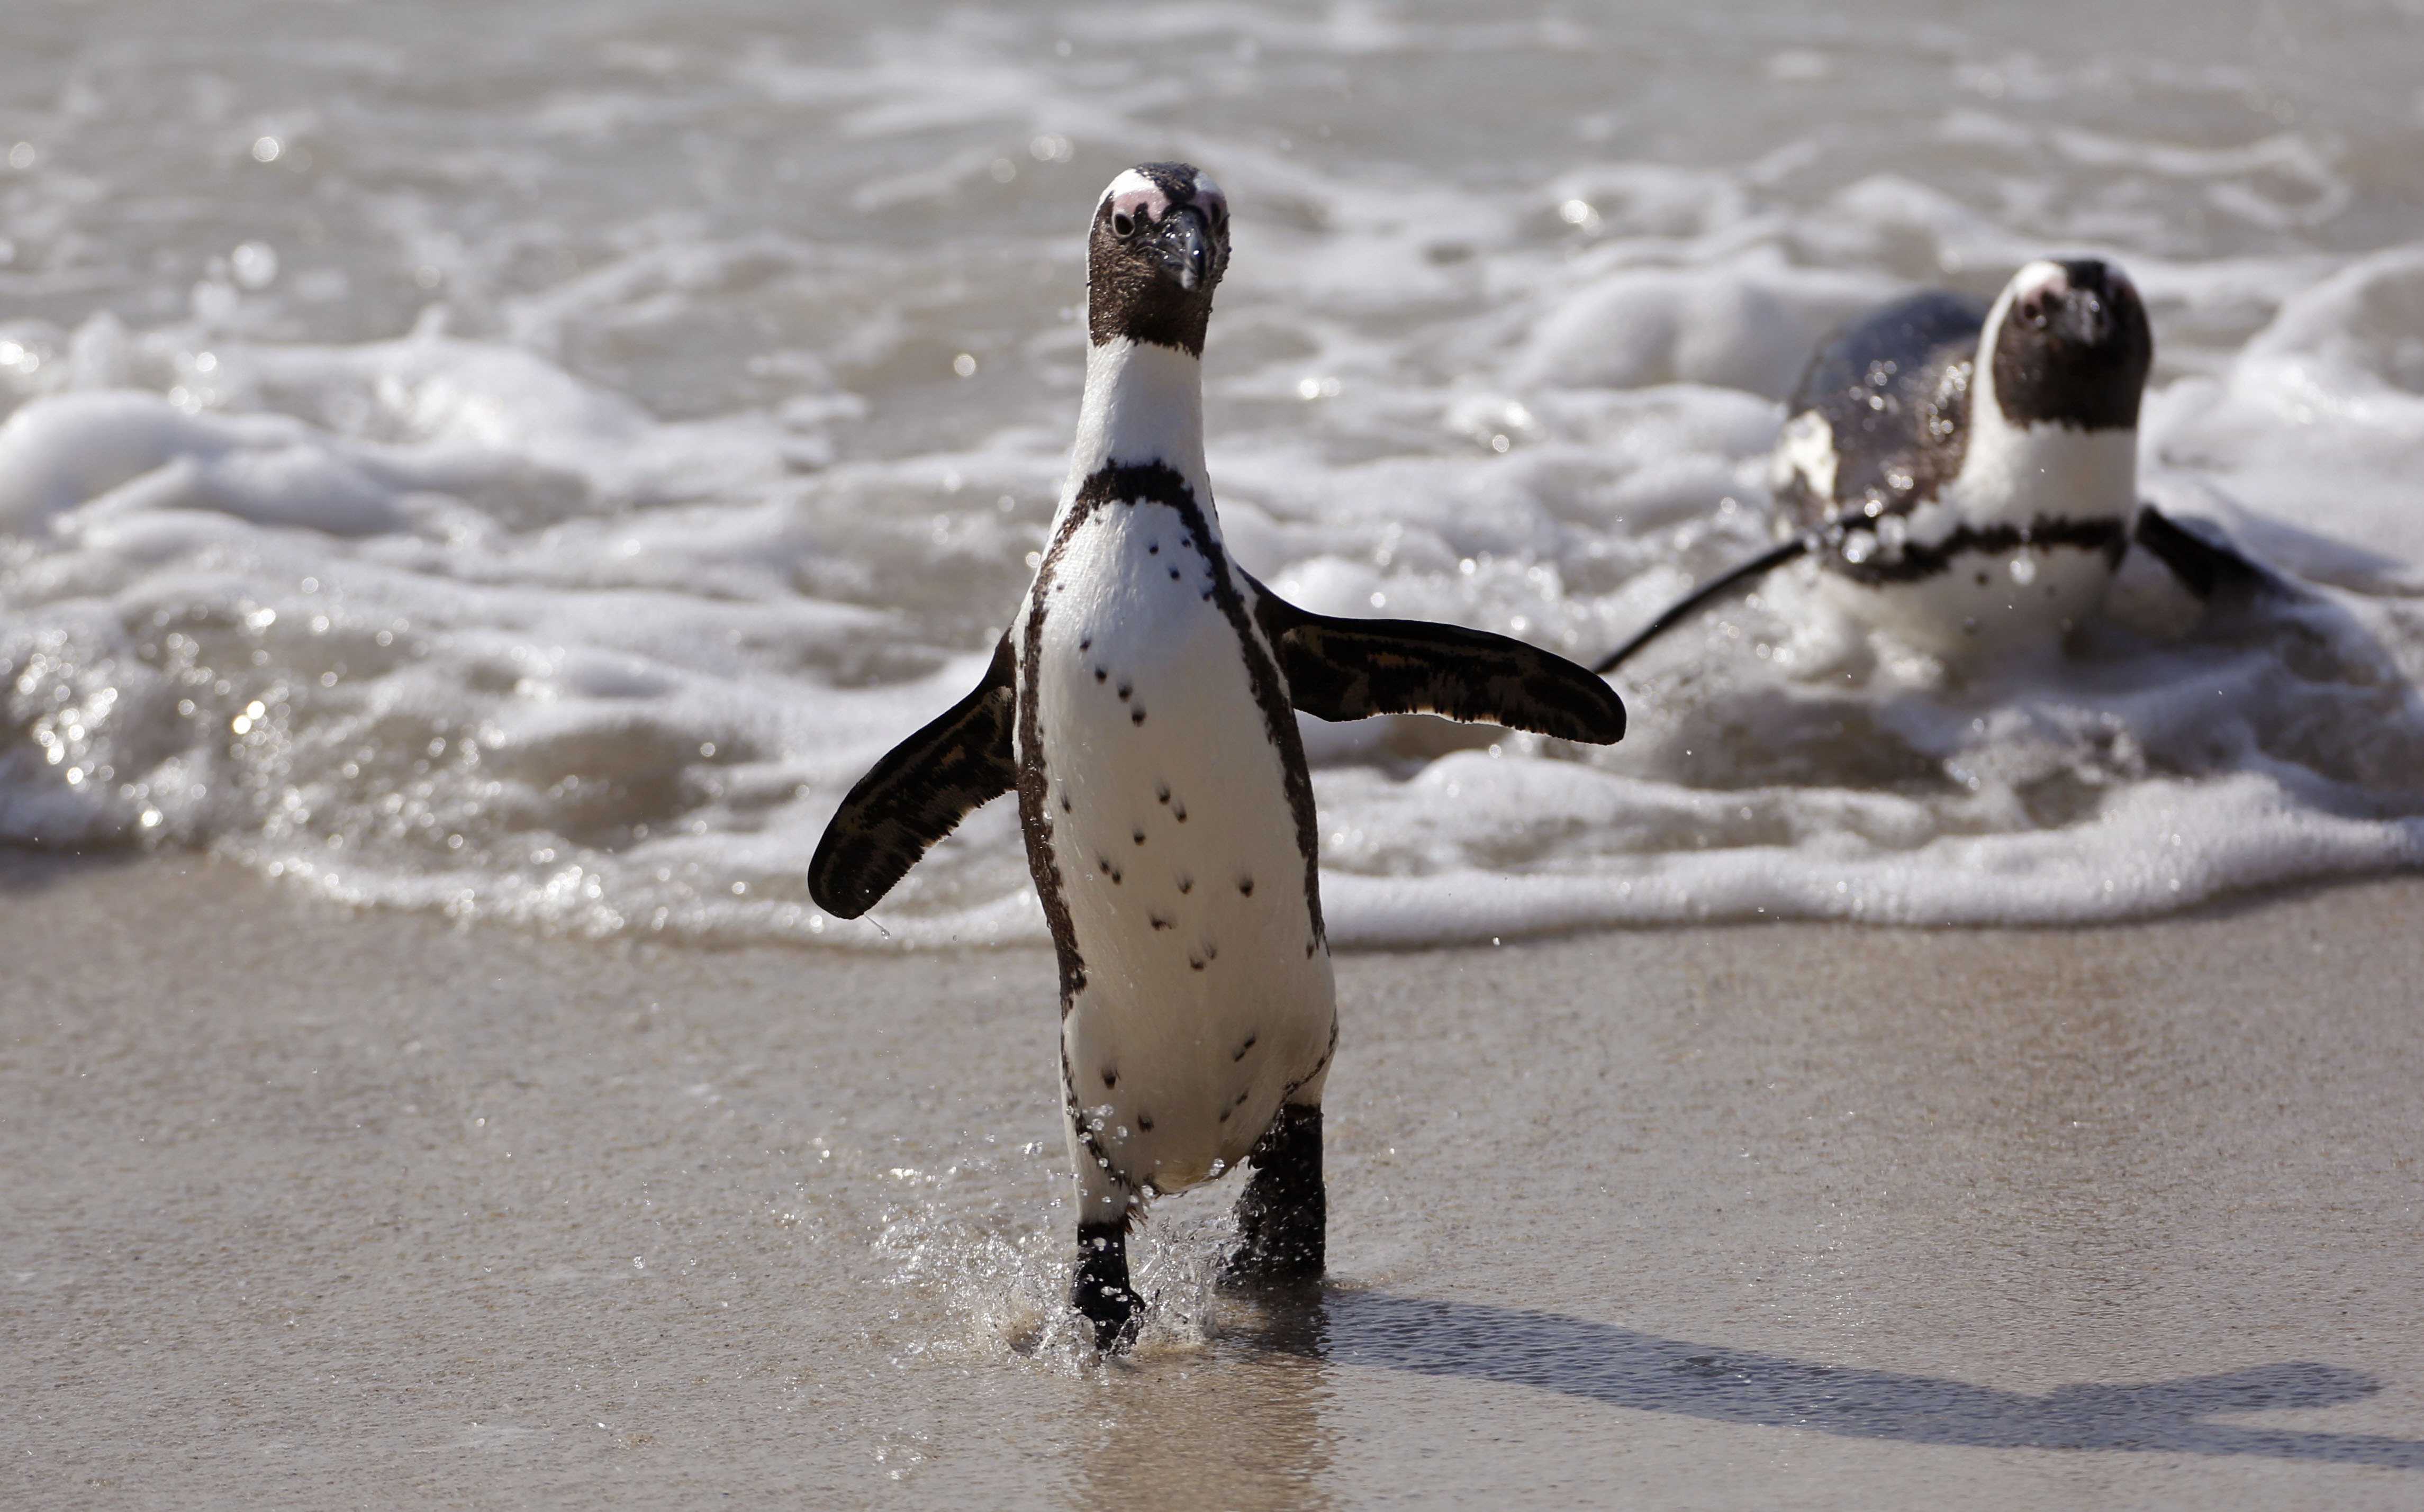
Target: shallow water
(526, 461)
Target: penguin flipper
(2204, 566)
(1733, 577)
(918, 794)
(1342, 669)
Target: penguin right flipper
(918, 794)
(1342, 669)
(2204, 566)
(1739, 576)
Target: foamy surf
(561, 561)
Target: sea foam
(574, 585)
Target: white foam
(584, 616)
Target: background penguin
(1143, 704)
(1962, 505)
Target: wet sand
(312, 1209)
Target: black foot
(1284, 1216)
(1100, 1290)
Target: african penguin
(1143, 704)
(1965, 507)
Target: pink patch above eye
(2049, 277)
(1147, 204)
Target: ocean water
(526, 461)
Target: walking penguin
(1142, 704)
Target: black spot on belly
(1982, 579)
(1064, 803)
(1104, 862)
(1178, 812)
(1157, 921)
(1246, 885)
(1139, 837)
(1086, 644)
(1126, 688)
(1102, 674)
(1186, 885)
(1224, 1115)
(1115, 876)
(1111, 1076)
(1144, 1120)
(1174, 574)
(1211, 951)
(1137, 718)
(1153, 549)
(1194, 961)
(1239, 1053)
(1161, 790)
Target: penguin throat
(1144, 404)
(2044, 470)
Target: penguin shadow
(1622, 1367)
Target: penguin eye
(1121, 223)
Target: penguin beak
(2084, 318)
(1182, 246)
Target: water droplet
(255, 265)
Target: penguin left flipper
(2206, 566)
(918, 794)
(1342, 669)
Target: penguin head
(2072, 347)
(1160, 244)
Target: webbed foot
(1284, 1215)
(1100, 1291)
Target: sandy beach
(308, 1208)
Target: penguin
(1142, 706)
(1965, 507)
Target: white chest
(1984, 602)
(2021, 474)
(1175, 847)
(2020, 545)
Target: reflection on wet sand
(1238, 1427)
